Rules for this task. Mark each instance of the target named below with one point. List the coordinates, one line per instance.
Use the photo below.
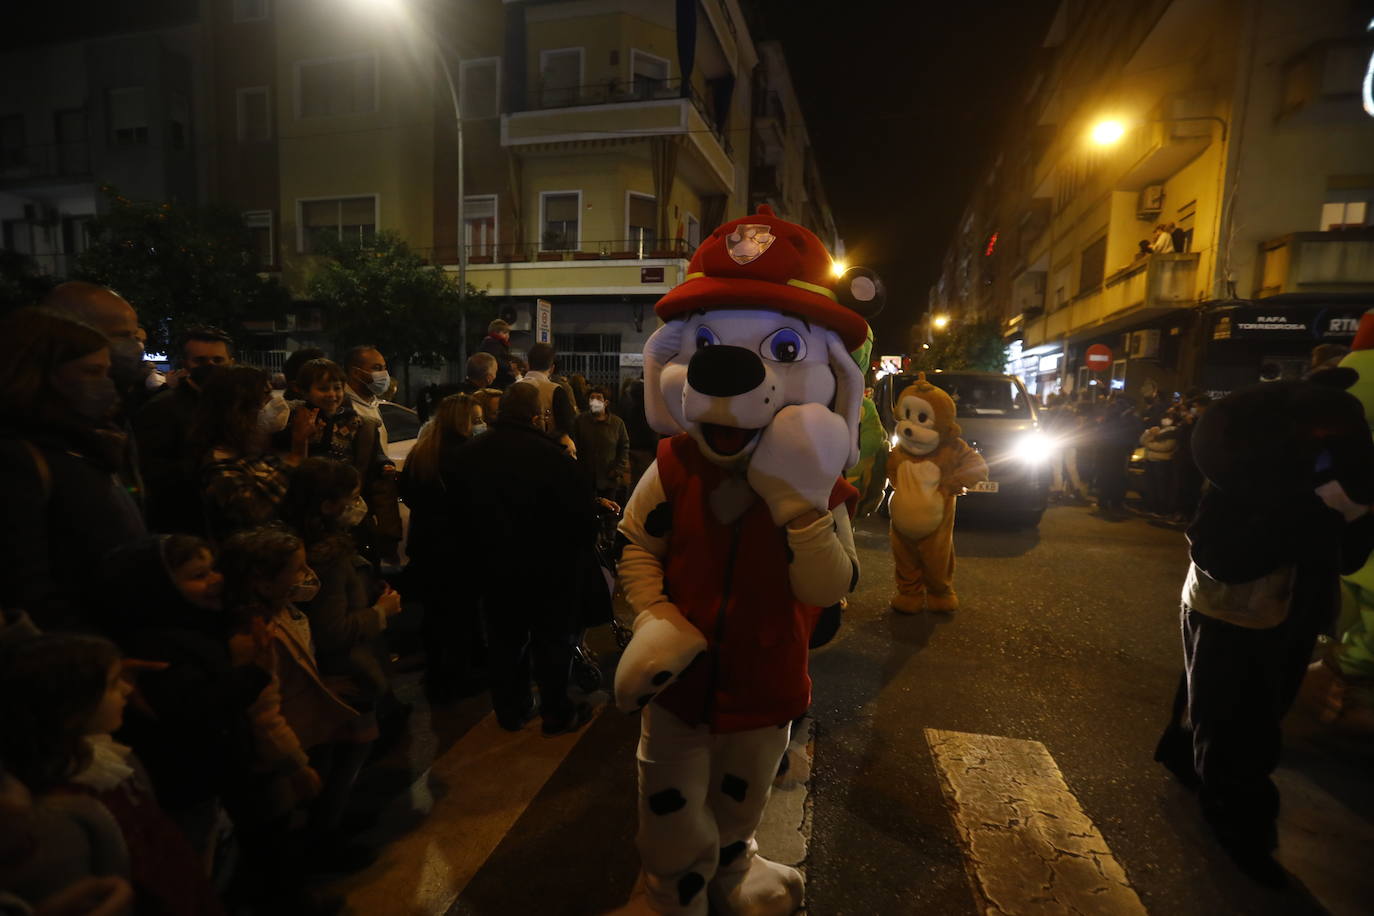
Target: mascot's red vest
(731, 582)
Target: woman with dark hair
(64, 509)
(242, 482)
(62, 696)
(455, 649)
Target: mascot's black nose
(723, 372)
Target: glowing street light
(940, 322)
(1107, 132)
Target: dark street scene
(687, 457)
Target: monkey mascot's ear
(861, 290)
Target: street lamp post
(462, 242)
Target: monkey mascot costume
(733, 540)
(929, 466)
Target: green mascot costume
(870, 473)
(1341, 685)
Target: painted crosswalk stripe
(1029, 848)
(489, 777)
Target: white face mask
(306, 589)
(479, 428)
(274, 416)
(597, 405)
(381, 381)
(354, 513)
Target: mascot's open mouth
(727, 440)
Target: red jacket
(731, 582)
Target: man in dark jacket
(521, 481)
(163, 426)
(497, 344)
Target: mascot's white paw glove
(801, 454)
(663, 646)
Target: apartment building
(1238, 124)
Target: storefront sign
(632, 360)
(1286, 323)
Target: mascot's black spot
(854, 579)
(730, 853)
(666, 802)
(790, 555)
(618, 549)
(734, 787)
(688, 886)
(645, 700)
(662, 678)
(659, 521)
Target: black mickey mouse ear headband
(861, 290)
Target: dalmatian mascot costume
(733, 540)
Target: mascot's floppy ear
(849, 392)
(663, 383)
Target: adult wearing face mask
(64, 507)
(603, 447)
(162, 428)
(242, 481)
(368, 383)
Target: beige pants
(927, 566)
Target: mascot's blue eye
(784, 346)
(706, 337)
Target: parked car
(1001, 421)
(402, 428)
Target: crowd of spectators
(194, 663)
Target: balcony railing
(558, 250)
(1318, 262)
(46, 160)
(615, 91)
(1155, 283)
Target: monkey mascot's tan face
(925, 418)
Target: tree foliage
(380, 292)
(21, 281)
(179, 266)
(964, 345)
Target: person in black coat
(59, 461)
(497, 343)
(538, 527)
(1290, 469)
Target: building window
(346, 219)
(128, 116)
(1093, 265)
(19, 236)
(693, 233)
(480, 88)
(560, 75)
(73, 152)
(12, 151)
(641, 221)
(648, 75)
(76, 233)
(178, 121)
(1344, 214)
(250, 10)
(558, 216)
(337, 86)
(479, 224)
(254, 114)
(264, 245)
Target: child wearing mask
(62, 696)
(342, 434)
(266, 575)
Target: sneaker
(580, 715)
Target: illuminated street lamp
(1107, 133)
(940, 322)
(397, 10)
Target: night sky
(905, 102)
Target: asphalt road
(1068, 636)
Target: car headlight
(1034, 448)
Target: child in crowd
(62, 696)
(339, 433)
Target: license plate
(984, 486)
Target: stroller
(586, 666)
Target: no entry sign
(1098, 357)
